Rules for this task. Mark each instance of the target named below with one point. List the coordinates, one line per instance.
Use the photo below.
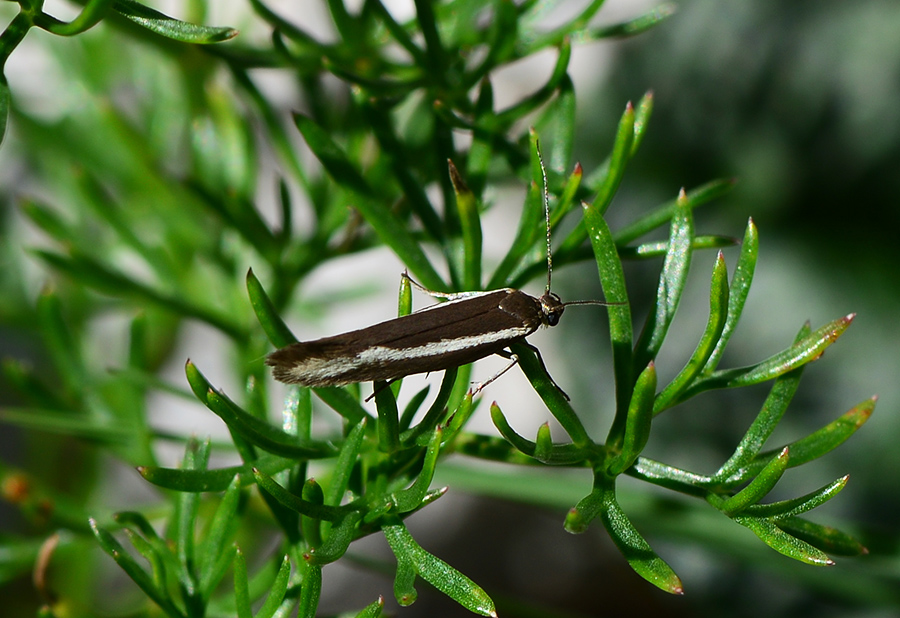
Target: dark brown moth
(466, 328)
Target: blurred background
(797, 101)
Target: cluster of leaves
(31, 15)
(203, 227)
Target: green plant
(196, 230)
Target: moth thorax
(552, 307)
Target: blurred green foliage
(142, 195)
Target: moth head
(552, 308)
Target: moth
(466, 328)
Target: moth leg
(436, 294)
(378, 386)
(477, 388)
(544, 368)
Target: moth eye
(553, 315)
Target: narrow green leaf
(557, 124)
(88, 271)
(718, 313)
(398, 32)
(773, 409)
(526, 236)
(138, 353)
(343, 467)
(526, 105)
(49, 221)
(612, 278)
(703, 194)
(500, 39)
(137, 520)
(342, 402)
(310, 590)
(212, 480)
(169, 27)
(411, 409)
(25, 381)
(388, 426)
(343, 532)
(602, 503)
(372, 610)
(621, 152)
(264, 435)
(831, 435)
(272, 324)
(150, 553)
(672, 280)
(4, 87)
(241, 585)
(641, 120)
(566, 200)
(651, 250)
(782, 542)
(670, 477)
(377, 114)
(217, 541)
(389, 228)
(296, 503)
(579, 517)
(805, 351)
(543, 443)
(460, 417)
(9, 39)
(737, 297)
(93, 12)
(429, 422)
(436, 56)
(312, 530)
(181, 531)
(200, 386)
(276, 591)
(549, 392)
(301, 38)
(285, 203)
(60, 341)
(437, 572)
(404, 296)
(560, 454)
(535, 37)
(738, 468)
(785, 509)
(481, 153)
(103, 431)
(405, 582)
(254, 430)
(758, 487)
(112, 547)
(470, 219)
(631, 27)
(406, 500)
(637, 425)
(825, 538)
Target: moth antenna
(546, 215)
(602, 303)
